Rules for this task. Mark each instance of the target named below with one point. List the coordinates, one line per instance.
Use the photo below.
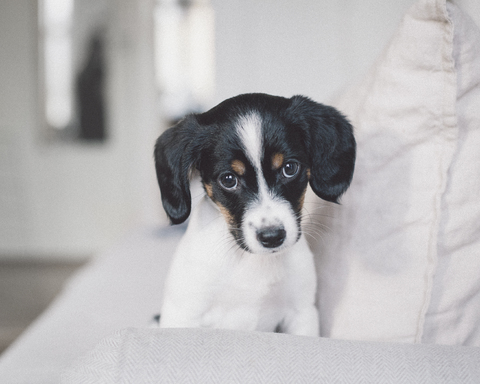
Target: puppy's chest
(251, 296)
(251, 281)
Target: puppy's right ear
(175, 156)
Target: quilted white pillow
(399, 259)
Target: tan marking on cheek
(277, 160)
(308, 173)
(301, 201)
(238, 167)
(209, 190)
(226, 213)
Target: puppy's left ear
(330, 146)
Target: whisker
(318, 226)
(315, 234)
(312, 236)
(314, 230)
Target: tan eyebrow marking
(277, 160)
(238, 167)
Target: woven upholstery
(220, 356)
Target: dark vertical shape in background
(90, 97)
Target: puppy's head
(256, 154)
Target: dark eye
(228, 181)
(290, 169)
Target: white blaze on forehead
(249, 128)
(266, 210)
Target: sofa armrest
(221, 356)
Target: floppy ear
(330, 146)
(175, 155)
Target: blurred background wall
(67, 197)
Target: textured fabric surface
(219, 356)
(405, 209)
(454, 313)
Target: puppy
(243, 262)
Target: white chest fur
(212, 283)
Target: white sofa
(398, 262)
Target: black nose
(271, 237)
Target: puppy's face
(257, 154)
(257, 174)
